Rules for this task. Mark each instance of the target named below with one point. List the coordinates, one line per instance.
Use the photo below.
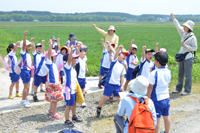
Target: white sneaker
(27, 101)
(176, 91)
(25, 104)
(83, 104)
(184, 93)
(32, 92)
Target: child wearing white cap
(158, 89)
(138, 89)
(131, 62)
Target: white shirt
(145, 69)
(39, 65)
(191, 43)
(26, 57)
(116, 71)
(82, 67)
(12, 60)
(160, 78)
(106, 59)
(53, 74)
(134, 59)
(59, 61)
(70, 77)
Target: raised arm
(33, 44)
(68, 44)
(143, 52)
(117, 52)
(111, 48)
(130, 47)
(177, 25)
(70, 55)
(49, 50)
(156, 47)
(58, 41)
(43, 41)
(103, 44)
(15, 46)
(100, 30)
(24, 40)
(78, 49)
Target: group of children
(50, 66)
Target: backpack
(18, 66)
(137, 69)
(6, 65)
(141, 120)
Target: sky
(134, 7)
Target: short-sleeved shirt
(106, 59)
(39, 64)
(71, 43)
(145, 69)
(26, 57)
(59, 60)
(160, 79)
(53, 74)
(117, 69)
(80, 67)
(131, 58)
(12, 60)
(70, 77)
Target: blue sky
(135, 7)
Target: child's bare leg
(126, 84)
(25, 91)
(83, 91)
(50, 107)
(54, 107)
(158, 125)
(103, 100)
(100, 77)
(67, 110)
(11, 88)
(167, 122)
(74, 109)
(17, 86)
(41, 85)
(35, 89)
(118, 99)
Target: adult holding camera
(109, 35)
(188, 44)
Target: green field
(145, 34)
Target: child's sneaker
(56, 116)
(42, 90)
(32, 92)
(27, 100)
(35, 99)
(98, 112)
(83, 104)
(77, 119)
(49, 112)
(100, 87)
(25, 104)
(18, 95)
(111, 99)
(69, 123)
(10, 97)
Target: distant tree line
(94, 16)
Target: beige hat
(27, 43)
(111, 28)
(139, 85)
(190, 24)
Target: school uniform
(12, 60)
(146, 67)
(40, 68)
(105, 64)
(127, 105)
(129, 59)
(80, 69)
(70, 83)
(25, 71)
(59, 63)
(160, 78)
(113, 80)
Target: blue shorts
(14, 77)
(71, 101)
(162, 107)
(103, 70)
(109, 89)
(39, 79)
(129, 75)
(61, 73)
(25, 76)
(82, 82)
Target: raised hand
(94, 25)
(132, 41)
(144, 47)
(102, 40)
(25, 32)
(157, 44)
(42, 41)
(18, 42)
(32, 39)
(58, 39)
(121, 47)
(172, 16)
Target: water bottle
(67, 93)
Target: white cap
(134, 46)
(111, 28)
(139, 85)
(190, 24)
(27, 43)
(163, 49)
